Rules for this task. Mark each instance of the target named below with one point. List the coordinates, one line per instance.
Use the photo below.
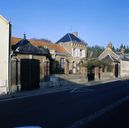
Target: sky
(97, 22)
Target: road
(58, 110)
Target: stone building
(27, 62)
(117, 63)
(55, 53)
(76, 48)
(59, 56)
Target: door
(116, 70)
(30, 74)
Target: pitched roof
(24, 46)
(38, 43)
(106, 52)
(69, 37)
(29, 49)
(15, 40)
(22, 43)
(124, 57)
(109, 59)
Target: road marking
(73, 90)
(84, 121)
(81, 89)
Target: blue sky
(96, 21)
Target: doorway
(116, 70)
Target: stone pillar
(13, 73)
(44, 68)
(18, 73)
(41, 69)
(96, 73)
(48, 67)
(66, 68)
(113, 70)
(101, 74)
(84, 72)
(81, 69)
(119, 70)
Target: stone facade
(16, 70)
(118, 64)
(124, 70)
(77, 50)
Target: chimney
(75, 34)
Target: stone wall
(15, 68)
(124, 70)
(106, 75)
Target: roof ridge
(70, 36)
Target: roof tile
(56, 47)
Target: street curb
(86, 120)
(17, 96)
(13, 96)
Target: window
(74, 52)
(80, 52)
(62, 62)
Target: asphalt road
(61, 109)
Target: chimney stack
(75, 34)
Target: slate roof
(24, 46)
(127, 56)
(124, 57)
(22, 43)
(29, 49)
(69, 37)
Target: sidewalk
(52, 89)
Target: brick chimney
(75, 34)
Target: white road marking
(79, 90)
(97, 114)
(73, 90)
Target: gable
(110, 53)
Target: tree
(42, 39)
(94, 51)
(92, 63)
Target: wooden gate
(116, 70)
(30, 74)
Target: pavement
(45, 89)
